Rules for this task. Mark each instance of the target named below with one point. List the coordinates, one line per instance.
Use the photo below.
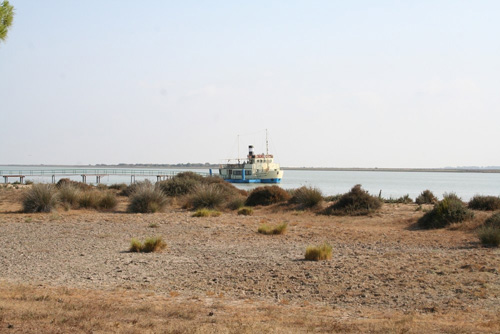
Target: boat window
(248, 172)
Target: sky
(397, 84)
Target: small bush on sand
(449, 210)
(356, 202)
(40, 198)
(486, 203)
(307, 197)
(317, 253)
(426, 197)
(489, 233)
(272, 230)
(245, 211)
(154, 244)
(207, 196)
(267, 195)
(146, 198)
(206, 213)
(69, 195)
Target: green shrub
(317, 253)
(154, 244)
(69, 195)
(486, 203)
(272, 230)
(493, 220)
(489, 235)
(206, 213)
(267, 195)
(245, 211)
(178, 185)
(401, 200)
(40, 198)
(307, 197)
(207, 196)
(355, 203)
(426, 197)
(449, 210)
(146, 198)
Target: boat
(258, 168)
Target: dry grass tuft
(318, 253)
(153, 244)
(146, 198)
(245, 211)
(272, 230)
(40, 198)
(206, 213)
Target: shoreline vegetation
(469, 169)
(297, 262)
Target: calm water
(392, 184)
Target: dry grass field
(72, 271)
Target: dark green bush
(306, 197)
(356, 202)
(79, 185)
(146, 198)
(178, 186)
(426, 197)
(449, 210)
(40, 198)
(267, 195)
(486, 203)
(493, 220)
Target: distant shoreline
(326, 169)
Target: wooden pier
(160, 174)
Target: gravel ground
(381, 262)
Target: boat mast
(267, 145)
(238, 149)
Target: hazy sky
(337, 83)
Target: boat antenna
(267, 145)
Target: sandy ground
(381, 265)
